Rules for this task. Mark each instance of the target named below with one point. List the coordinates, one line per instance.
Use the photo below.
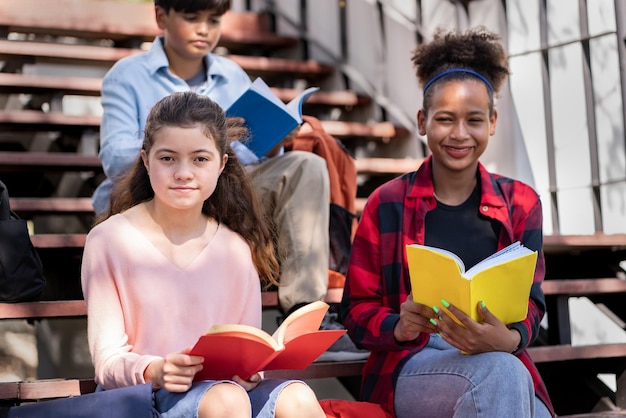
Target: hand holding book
(502, 280)
(243, 350)
(472, 337)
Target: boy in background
(290, 183)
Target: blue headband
(458, 70)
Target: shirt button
(485, 208)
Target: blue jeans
(185, 405)
(440, 381)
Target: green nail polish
(445, 303)
(436, 309)
(432, 321)
(482, 304)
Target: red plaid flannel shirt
(378, 279)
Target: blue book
(268, 119)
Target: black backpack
(21, 271)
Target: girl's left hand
(249, 384)
(476, 337)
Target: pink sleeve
(115, 365)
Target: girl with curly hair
(423, 363)
(184, 246)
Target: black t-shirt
(463, 230)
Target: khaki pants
(296, 194)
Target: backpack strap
(5, 209)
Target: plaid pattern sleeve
(377, 281)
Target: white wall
(381, 36)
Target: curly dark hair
(477, 49)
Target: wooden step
(337, 98)
(65, 241)
(581, 287)
(39, 205)
(97, 20)
(43, 309)
(565, 352)
(381, 130)
(271, 68)
(585, 242)
(48, 161)
(255, 66)
(33, 120)
(42, 52)
(91, 86)
(39, 390)
(128, 21)
(40, 84)
(76, 308)
(393, 166)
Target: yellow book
(502, 280)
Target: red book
(243, 350)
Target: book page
(511, 252)
(505, 288)
(306, 319)
(264, 90)
(294, 107)
(245, 331)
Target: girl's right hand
(175, 372)
(414, 319)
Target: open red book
(243, 350)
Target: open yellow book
(502, 280)
(236, 349)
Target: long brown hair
(234, 202)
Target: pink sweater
(141, 306)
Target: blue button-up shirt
(130, 89)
